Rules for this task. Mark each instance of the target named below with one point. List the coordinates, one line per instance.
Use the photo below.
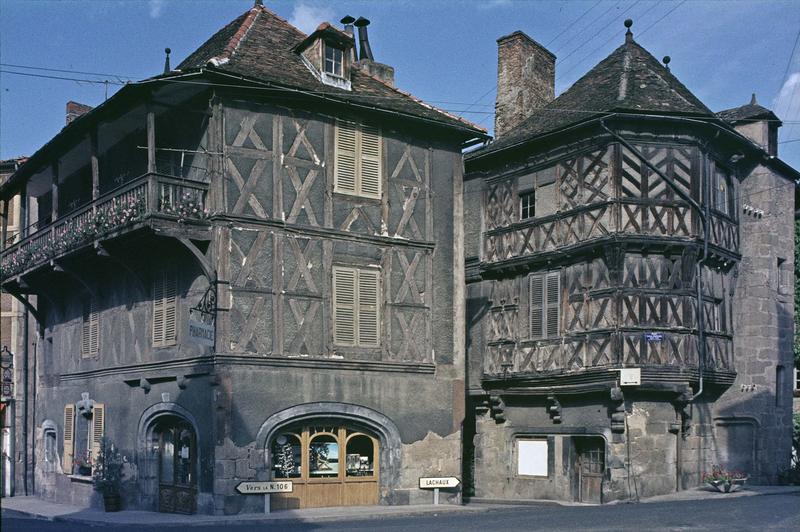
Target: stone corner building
(624, 233)
(245, 269)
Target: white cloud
(307, 17)
(155, 7)
(787, 104)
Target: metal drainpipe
(25, 403)
(704, 219)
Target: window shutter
(69, 438)
(170, 307)
(553, 303)
(98, 429)
(535, 305)
(158, 310)
(370, 162)
(368, 305)
(344, 308)
(94, 329)
(86, 329)
(346, 157)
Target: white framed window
(356, 306)
(164, 308)
(334, 61)
(359, 154)
(544, 304)
(90, 329)
(532, 457)
(527, 204)
(720, 195)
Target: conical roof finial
(629, 33)
(753, 100)
(167, 69)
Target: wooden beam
(95, 164)
(54, 189)
(151, 141)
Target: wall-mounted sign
(653, 337)
(429, 483)
(630, 376)
(262, 487)
(201, 333)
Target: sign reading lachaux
(429, 483)
(254, 487)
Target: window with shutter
(357, 168)
(356, 311)
(69, 438)
(544, 305)
(97, 429)
(90, 329)
(164, 308)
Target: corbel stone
(554, 408)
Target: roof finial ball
(628, 34)
(666, 61)
(258, 3)
(167, 68)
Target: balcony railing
(125, 206)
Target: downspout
(25, 403)
(702, 214)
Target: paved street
(766, 512)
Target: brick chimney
(75, 109)
(526, 74)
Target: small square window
(532, 457)
(333, 61)
(527, 202)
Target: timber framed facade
(312, 236)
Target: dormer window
(334, 60)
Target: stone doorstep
(58, 512)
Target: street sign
(201, 333)
(262, 487)
(630, 376)
(428, 483)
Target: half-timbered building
(629, 294)
(248, 268)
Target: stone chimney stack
(526, 75)
(75, 110)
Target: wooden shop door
(177, 472)
(328, 465)
(591, 468)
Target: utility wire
(571, 24)
(590, 39)
(583, 30)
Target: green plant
(107, 473)
(719, 474)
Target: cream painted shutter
(553, 303)
(158, 310)
(86, 329)
(94, 330)
(345, 170)
(344, 307)
(370, 173)
(69, 438)
(535, 306)
(368, 305)
(97, 429)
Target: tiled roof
(628, 80)
(259, 45)
(749, 111)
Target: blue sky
(443, 51)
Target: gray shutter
(553, 303)
(344, 306)
(86, 328)
(69, 438)
(345, 169)
(368, 305)
(370, 185)
(98, 428)
(158, 309)
(535, 305)
(170, 307)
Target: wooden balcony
(144, 199)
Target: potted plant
(84, 464)
(107, 476)
(723, 480)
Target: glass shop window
(287, 456)
(323, 456)
(360, 456)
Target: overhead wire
(590, 39)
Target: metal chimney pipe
(363, 39)
(348, 24)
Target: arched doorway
(330, 463)
(174, 445)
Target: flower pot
(112, 502)
(84, 470)
(727, 486)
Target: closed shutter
(535, 305)
(164, 309)
(344, 307)
(97, 429)
(69, 438)
(553, 303)
(368, 305)
(370, 162)
(346, 157)
(90, 329)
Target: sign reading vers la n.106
(259, 488)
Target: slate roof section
(628, 80)
(259, 45)
(749, 112)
